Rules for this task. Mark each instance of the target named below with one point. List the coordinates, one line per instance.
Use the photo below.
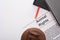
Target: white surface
(14, 15)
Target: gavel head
(33, 34)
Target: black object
(50, 5)
(42, 4)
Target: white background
(15, 14)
